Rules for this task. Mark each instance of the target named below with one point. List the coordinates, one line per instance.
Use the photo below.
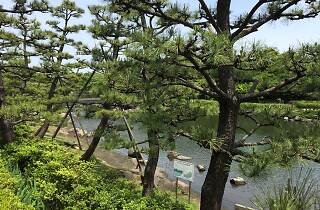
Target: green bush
(307, 104)
(22, 131)
(65, 182)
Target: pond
(241, 194)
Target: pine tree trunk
(150, 169)
(213, 188)
(214, 184)
(6, 131)
(41, 132)
(96, 139)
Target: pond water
(242, 194)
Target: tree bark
(6, 131)
(96, 138)
(150, 169)
(213, 188)
(41, 132)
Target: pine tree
(54, 51)
(209, 51)
(111, 32)
(18, 36)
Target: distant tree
(209, 51)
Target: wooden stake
(73, 104)
(177, 189)
(75, 131)
(135, 147)
(189, 199)
(74, 128)
(81, 126)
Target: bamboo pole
(135, 147)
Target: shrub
(65, 182)
(307, 104)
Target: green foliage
(307, 104)
(65, 182)
(298, 193)
(284, 151)
(255, 164)
(27, 189)
(8, 188)
(23, 131)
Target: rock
(183, 186)
(63, 132)
(237, 181)
(286, 118)
(182, 157)
(62, 114)
(201, 168)
(172, 155)
(241, 207)
(70, 131)
(297, 118)
(133, 154)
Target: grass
(299, 193)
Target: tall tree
(111, 31)
(54, 51)
(209, 51)
(19, 35)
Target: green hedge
(65, 182)
(307, 104)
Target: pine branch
(283, 84)
(279, 13)
(187, 84)
(156, 11)
(241, 143)
(210, 18)
(202, 70)
(22, 11)
(249, 16)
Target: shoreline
(128, 168)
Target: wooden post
(81, 126)
(73, 104)
(177, 189)
(135, 147)
(189, 199)
(75, 130)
